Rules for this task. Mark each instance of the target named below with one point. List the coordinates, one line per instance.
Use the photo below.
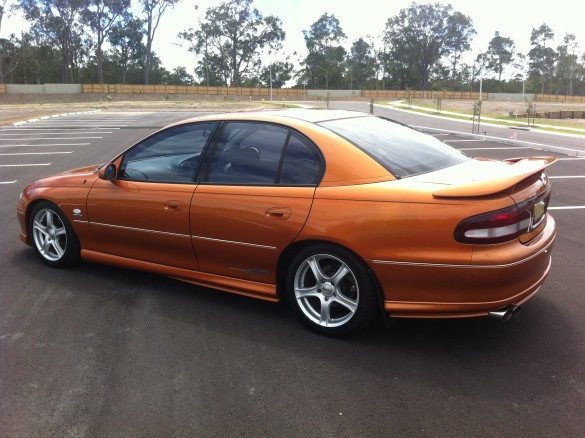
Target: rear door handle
(278, 213)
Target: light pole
(270, 68)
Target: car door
(254, 199)
(143, 213)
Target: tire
(331, 289)
(52, 236)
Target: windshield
(403, 151)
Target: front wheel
(52, 236)
(331, 289)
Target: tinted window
(301, 163)
(169, 156)
(247, 153)
(401, 150)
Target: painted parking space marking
(48, 138)
(463, 141)
(568, 207)
(496, 148)
(25, 165)
(60, 132)
(567, 177)
(9, 182)
(41, 145)
(36, 153)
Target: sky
(362, 18)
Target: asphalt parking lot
(101, 351)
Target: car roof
(315, 115)
(310, 115)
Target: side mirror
(108, 172)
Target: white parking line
(463, 141)
(38, 153)
(75, 132)
(25, 165)
(572, 159)
(567, 177)
(495, 149)
(47, 138)
(8, 182)
(41, 145)
(47, 129)
(569, 207)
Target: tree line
(422, 47)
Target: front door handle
(173, 206)
(278, 213)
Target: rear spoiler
(517, 170)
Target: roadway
(101, 351)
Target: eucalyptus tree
(231, 37)
(461, 34)
(153, 11)
(9, 47)
(362, 64)
(101, 15)
(60, 22)
(567, 64)
(500, 53)
(421, 34)
(128, 50)
(326, 55)
(542, 57)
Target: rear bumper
(423, 290)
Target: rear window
(403, 151)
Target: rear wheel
(331, 290)
(52, 236)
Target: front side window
(172, 155)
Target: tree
(567, 63)
(231, 37)
(281, 72)
(362, 64)
(127, 47)
(60, 22)
(500, 53)
(326, 55)
(9, 47)
(542, 58)
(101, 16)
(420, 35)
(154, 10)
(9, 56)
(179, 76)
(461, 33)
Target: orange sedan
(344, 213)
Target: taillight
(494, 227)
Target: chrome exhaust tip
(505, 314)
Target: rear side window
(301, 163)
(401, 150)
(256, 153)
